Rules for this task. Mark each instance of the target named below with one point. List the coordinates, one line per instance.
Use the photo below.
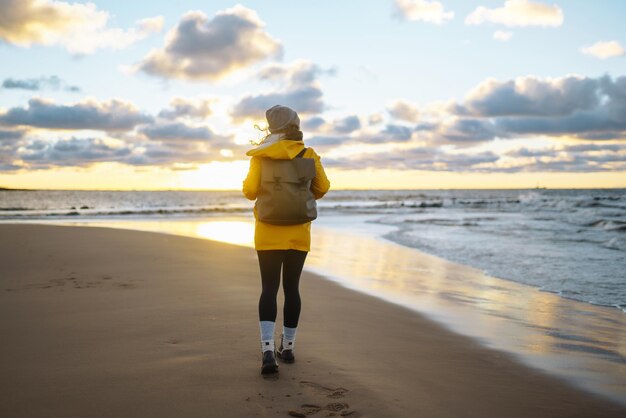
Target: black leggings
(270, 262)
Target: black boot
(269, 365)
(285, 354)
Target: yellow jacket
(282, 237)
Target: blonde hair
(262, 135)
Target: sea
(537, 273)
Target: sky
(407, 94)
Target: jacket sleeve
(251, 183)
(320, 183)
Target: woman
(281, 246)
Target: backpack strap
(301, 153)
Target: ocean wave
(127, 212)
(388, 204)
(581, 297)
(615, 243)
(530, 201)
(609, 225)
(473, 221)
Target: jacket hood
(277, 148)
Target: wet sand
(101, 322)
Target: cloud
(439, 129)
(604, 50)
(11, 135)
(312, 124)
(525, 152)
(306, 99)
(73, 151)
(375, 119)
(573, 158)
(37, 153)
(334, 136)
(583, 125)
(453, 136)
(6, 167)
(8, 149)
(177, 131)
(112, 115)
(459, 161)
(533, 96)
(574, 106)
(150, 24)
(423, 10)
(199, 48)
(298, 73)
(467, 131)
(298, 89)
(501, 35)
(344, 125)
(393, 133)
(327, 140)
(518, 13)
(584, 107)
(348, 124)
(80, 28)
(172, 138)
(186, 107)
(593, 108)
(140, 139)
(418, 158)
(595, 147)
(10, 141)
(35, 84)
(403, 110)
(350, 128)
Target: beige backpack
(285, 196)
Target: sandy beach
(101, 322)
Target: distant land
(6, 189)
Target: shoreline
(131, 223)
(151, 318)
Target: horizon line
(8, 189)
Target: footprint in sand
(334, 393)
(58, 282)
(78, 283)
(330, 409)
(125, 285)
(47, 285)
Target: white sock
(289, 338)
(267, 335)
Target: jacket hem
(279, 247)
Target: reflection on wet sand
(238, 231)
(231, 232)
(584, 343)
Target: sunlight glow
(231, 232)
(216, 175)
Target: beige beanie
(278, 117)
